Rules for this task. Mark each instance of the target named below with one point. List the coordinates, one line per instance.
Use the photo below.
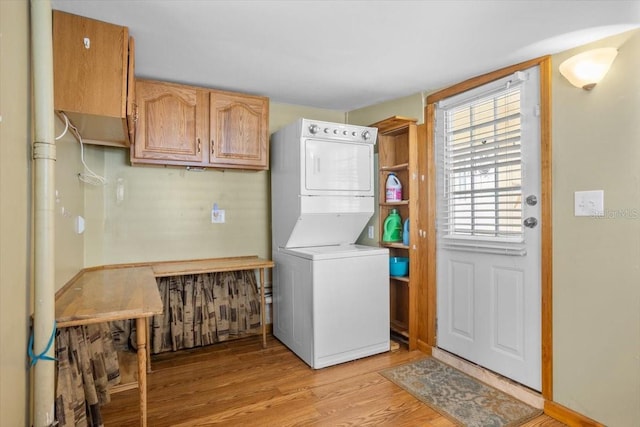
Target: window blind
(481, 164)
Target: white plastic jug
(393, 189)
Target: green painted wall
(596, 261)
(69, 245)
(408, 106)
(15, 225)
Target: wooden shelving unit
(398, 152)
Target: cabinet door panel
(169, 121)
(238, 131)
(90, 65)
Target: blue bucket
(398, 266)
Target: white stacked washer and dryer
(330, 296)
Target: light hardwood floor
(241, 384)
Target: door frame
(428, 302)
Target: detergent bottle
(405, 233)
(392, 227)
(393, 189)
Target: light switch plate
(589, 203)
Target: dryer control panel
(337, 131)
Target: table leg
(263, 308)
(148, 346)
(141, 334)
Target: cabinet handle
(199, 146)
(212, 147)
(135, 114)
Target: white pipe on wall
(44, 157)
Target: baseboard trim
(568, 416)
(424, 347)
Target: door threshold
(510, 387)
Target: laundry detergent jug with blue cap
(392, 227)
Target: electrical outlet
(217, 216)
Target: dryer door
(337, 168)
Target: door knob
(530, 222)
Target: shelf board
(393, 168)
(394, 245)
(400, 328)
(404, 279)
(402, 203)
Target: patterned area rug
(459, 397)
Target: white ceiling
(343, 55)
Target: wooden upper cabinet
(179, 124)
(171, 124)
(239, 131)
(93, 65)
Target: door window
(481, 169)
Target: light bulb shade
(586, 69)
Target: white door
(488, 231)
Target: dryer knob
(366, 135)
(314, 129)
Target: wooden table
(107, 294)
(130, 291)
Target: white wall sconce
(586, 69)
